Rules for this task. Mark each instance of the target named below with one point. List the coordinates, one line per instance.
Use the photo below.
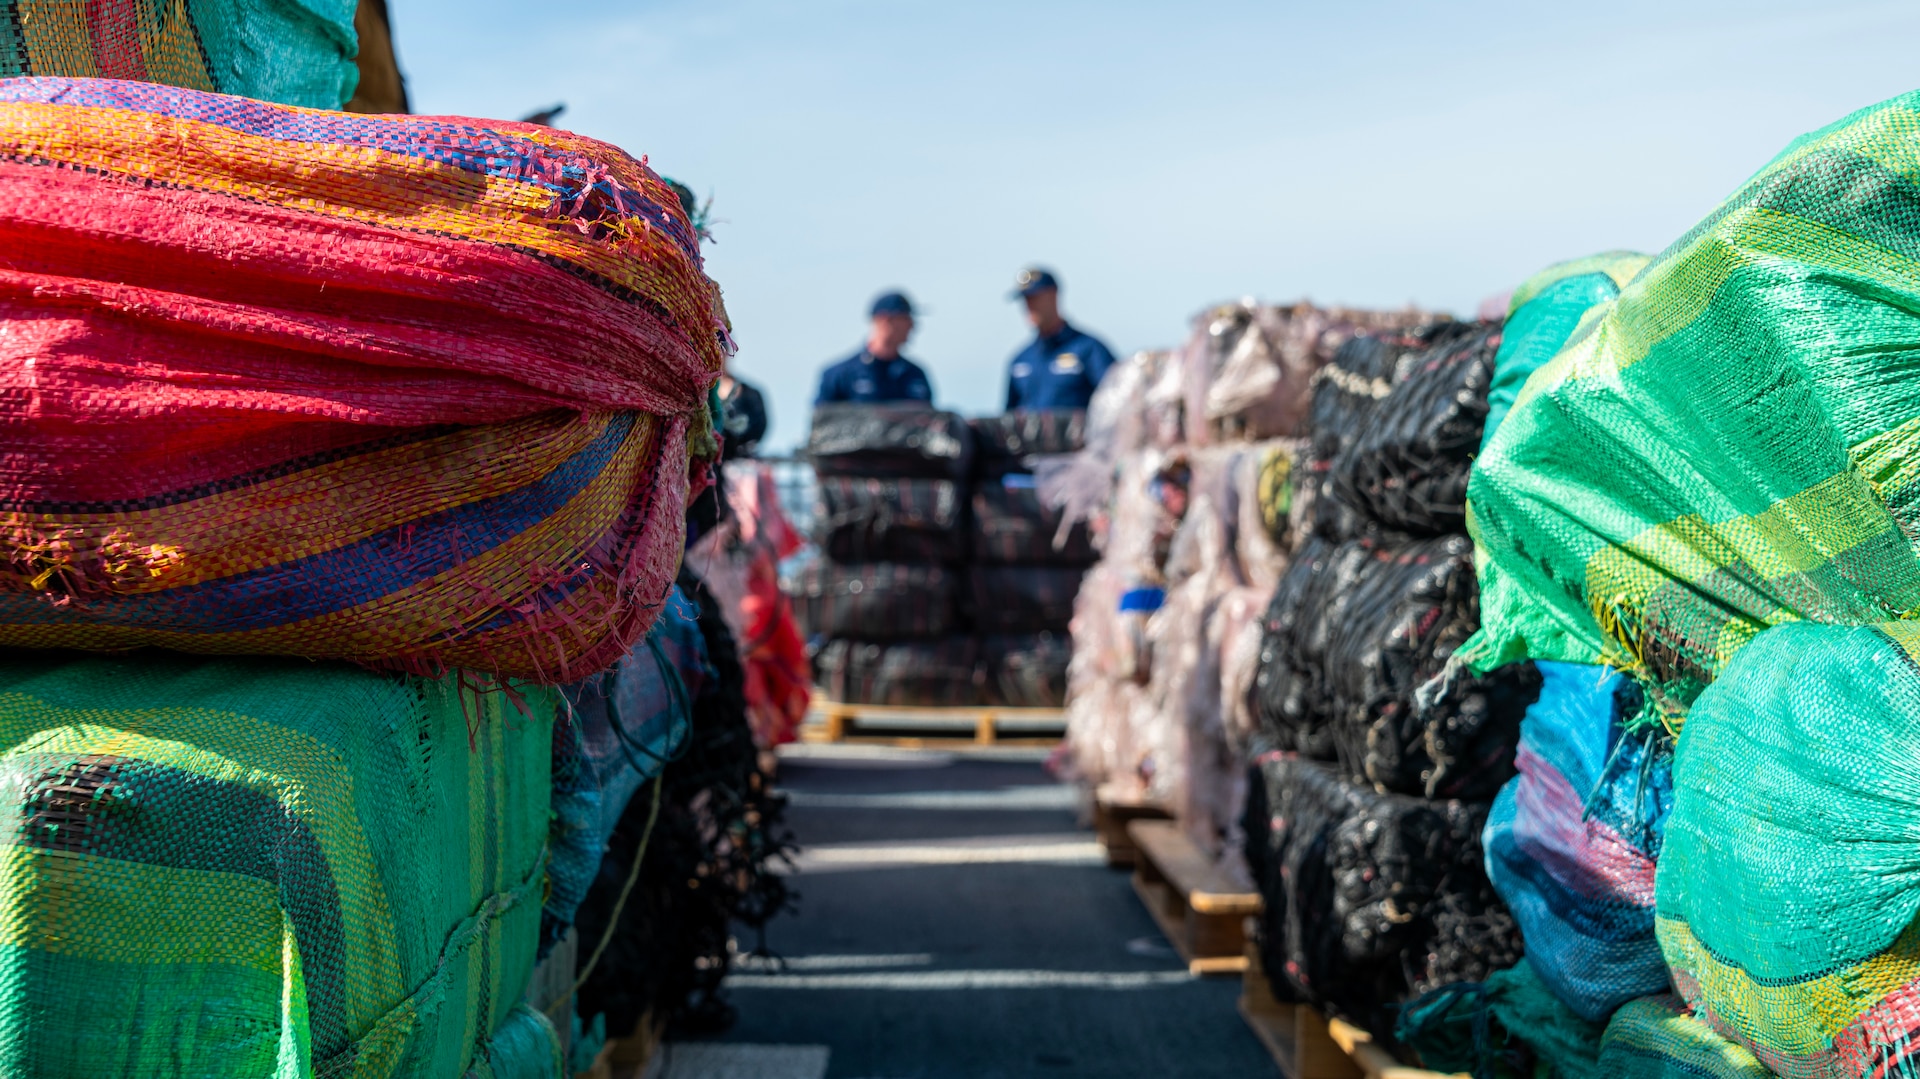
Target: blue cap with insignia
(1031, 280)
(891, 303)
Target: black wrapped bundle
(1022, 599)
(889, 440)
(1411, 605)
(1011, 525)
(1003, 443)
(942, 673)
(866, 519)
(1346, 394)
(1293, 693)
(1026, 670)
(876, 601)
(1370, 898)
(1407, 470)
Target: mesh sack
(1510, 1026)
(1011, 524)
(1544, 313)
(866, 519)
(294, 52)
(290, 397)
(1027, 670)
(1731, 446)
(875, 601)
(1000, 441)
(1021, 599)
(709, 869)
(889, 440)
(619, 729)
(944, 673)
(1657, 1037)
(1358, 887)
(1573, 839)
(264, 867)
(1788, 885)
(1405, 470)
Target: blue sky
(1161, 157)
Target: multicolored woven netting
(296, 52)
(215, 867)
(416, 392)
(1733, 445)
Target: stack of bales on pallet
(1025, 559)
(1185, 481)
(1363, 828)
(881, 607)
(1699, 517)
(374, 438)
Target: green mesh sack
(294, 52)
(1657, 1038)
(1544, 312)
(263, 867)
(1732, 446)
(1788, 888)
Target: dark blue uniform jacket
(1057, 372)
(862, 379)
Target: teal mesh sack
(1733, 444)
(1510, 1027)
(1657, 1038)
(264, 867)
(1788, 888)
(294, 52)
(1545, 311)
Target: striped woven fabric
(297, 52)
(260, 867)
(409, 391)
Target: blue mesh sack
(1572, 840)
(626, 724)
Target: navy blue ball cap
(891, 303)
(1031, 280)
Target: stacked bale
(419, 402)
(1365, 839)
(1025, 558)
(1710, 487)
(1185, 486)
(881, 607)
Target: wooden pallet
(1112, 812)
(920, 727)
(1201, 910)
(1306, 1044)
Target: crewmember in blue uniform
(1062, 366)
(878, 374)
